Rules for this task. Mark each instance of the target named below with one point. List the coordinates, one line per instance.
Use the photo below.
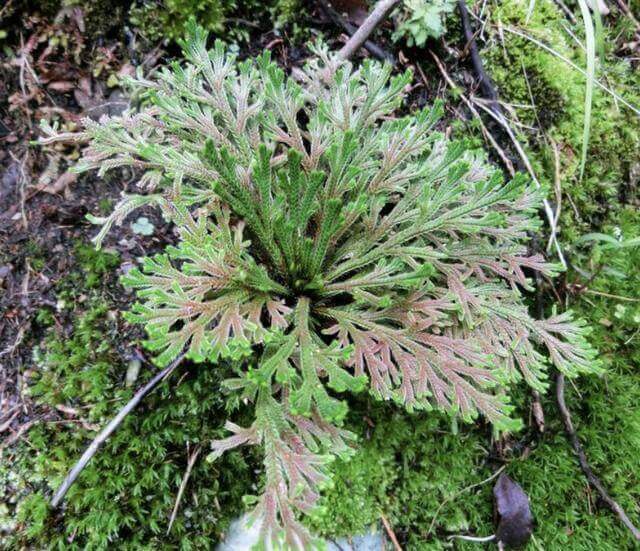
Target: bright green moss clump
(410, 464)
(548, 97)
(160, 19)
(124, 498)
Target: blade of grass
(597, 17)
(590, 44)
(532, 6)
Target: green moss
(406, 467)
(35, 254)
(100, 16)
(127, 492)
(95, 264)
(556, 93)
(605, 412)
(105, 206)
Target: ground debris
(515, 522)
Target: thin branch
(485, 131)
(487, 87)
(566, 11)
(537, 410)
(350, 29)
(192, 461)
(380, 11)
(609, 295)
(593, 480)
(390, 532)
(474, 539)
(110, 428)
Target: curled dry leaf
(61, 86)
(515, 522)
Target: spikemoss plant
(325, 247)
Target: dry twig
(490, 138)
(380, 11)
(593, 480)
(390, 532)
(191, 462)
(487, 87)
(350, 29)
(110, 428)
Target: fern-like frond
(326, 247)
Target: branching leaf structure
(327, 247)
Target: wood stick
(390, 532)
(593, 480)
(487, 87)
(380, 11)
(350, 29)
(191, 462)
(485, 131)
(109, 429)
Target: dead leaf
(50, 173)
(515, 522)
(67, 410)
(11, 177)
(127, 70)
(4, 129)
(4, 272)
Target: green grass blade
(597, 17)
(532, 6)
(590, 73)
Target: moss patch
(124, 498)
(225, 18)
(547, 96)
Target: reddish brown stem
(593, 480)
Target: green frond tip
(195, 36)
